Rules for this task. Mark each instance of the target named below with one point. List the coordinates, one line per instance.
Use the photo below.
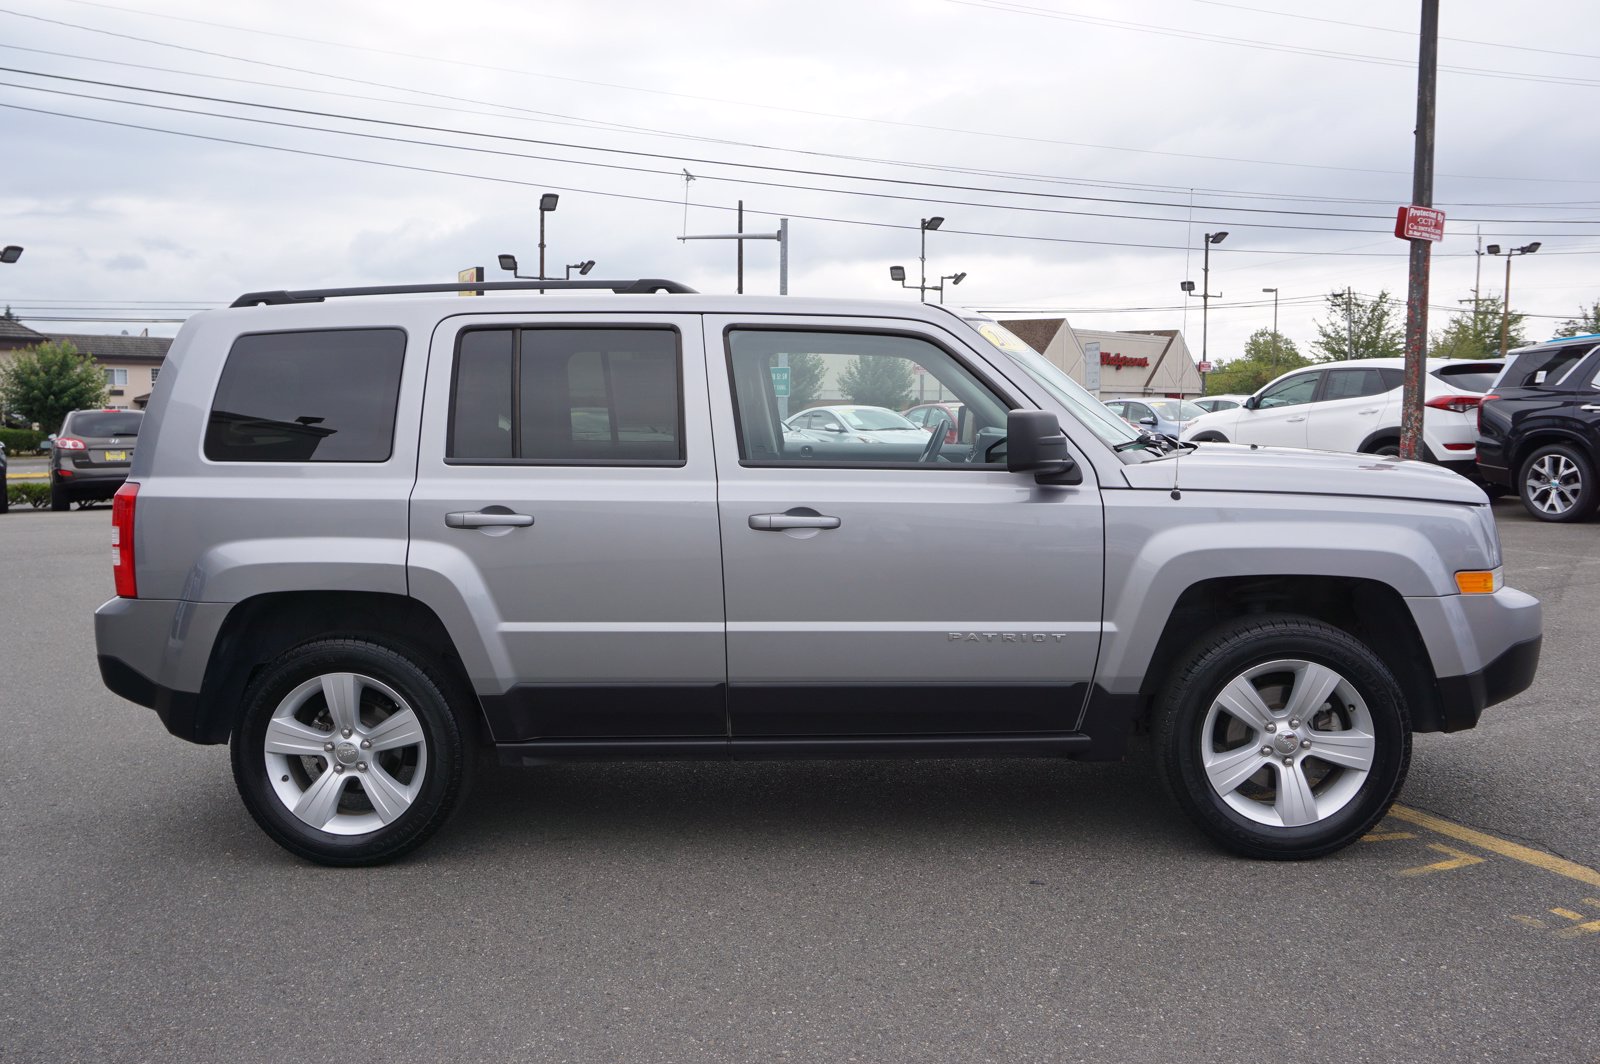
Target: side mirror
(1035, 444)
(1148, 422)
(1251, 403)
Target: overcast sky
(1063, 141)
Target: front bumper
(1484, 650)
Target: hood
(1237, 467)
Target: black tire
(59, 499)
(292, 690)
(1250, 820)
(1209, 437)
(5, 499)
(1557, 484)
(1387, 449)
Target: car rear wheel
(1283, 737)
(1557, 484)
(348, 752)
(59, 499)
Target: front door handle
(484, 519)
(782, 522)
(1590, 408)
(1293, 420)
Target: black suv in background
(1539, 428)
(89, 457)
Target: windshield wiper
(1148, 439)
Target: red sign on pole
(1203, 367)
(1419, 223)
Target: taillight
(1456, 404)
(122, 539)
(1481, 401)
(68, 443)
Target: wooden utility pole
(1421, 250)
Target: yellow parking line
(26, 476)
(1582, 929)
(1457, 859)
(1387, 836)
(1568, 913)
(1504, 847)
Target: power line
(1383, 29)
(701, 161)
(663, 92)
(1010, 7)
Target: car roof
(1555, 341)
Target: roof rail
(642, 286)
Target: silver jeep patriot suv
(364, 535)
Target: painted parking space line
(1496, 845)
(1454, 859)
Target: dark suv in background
(1539, 428)
(89, 457)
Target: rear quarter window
(1543, 368)
(319, 395)
(1470, 377)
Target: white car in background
(1356, 405)
(1212, 403)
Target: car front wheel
(1283, 737)
(1557, 484)
(348, 752)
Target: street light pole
(547, 203)
(922, 281)
(1505, 310)
(1206, 296)
(1274, 292)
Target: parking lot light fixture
(582, 268)
(927, 225)
(1505, 307)
(10, 253)
(547, 203)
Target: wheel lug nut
(327, 746)
(1305, 744)
(366, 744)
(1266, 751)
(338, 770)
(346, 733)
(361, 766)
(1288, 761)
(1294, 724)
(1271, 727)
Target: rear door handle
(1590, 408)
(1373, 410)
(781, 522)
(481, 519)
(1292, 420)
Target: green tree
(1477, 335)
(878, 380)
(1360, 328)
(1586, 323)
(806, 376)
(1266, 355)
(45, 382)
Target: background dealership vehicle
(1356, 406)
(1539, 429)
(1166, 416)
(363, 536)
(824, 429)
(930, 415)
(91, 455)
(1212, 403)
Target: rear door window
(560, 395)
(320, 395)
(1543, 368)
(1353, 384)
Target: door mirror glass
(1035, 444)
(1250, 403)
(1148, 421)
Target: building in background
(1142, 362)
(132, 364)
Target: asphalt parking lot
(875, 911)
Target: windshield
(1066, 391)
(1176, 409)
(873, 419)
